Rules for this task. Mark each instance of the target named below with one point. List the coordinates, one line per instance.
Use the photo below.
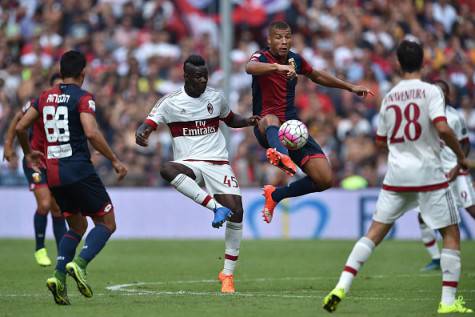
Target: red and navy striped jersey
(36, 133)
(65, 144)
(273, 93)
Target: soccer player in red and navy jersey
(67, 116)
(274, 73)
(37, 182)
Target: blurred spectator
(11, 175)
(135, 50)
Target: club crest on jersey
(210, 108)
(292, 63)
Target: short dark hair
(280, 25)
(410, 56)
(72, 63)
(195, 60)
(53, 78)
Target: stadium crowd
(136, 49)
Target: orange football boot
(227, 283)
(269, 203)
(282, 161)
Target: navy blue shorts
(301, 156)
(87, 196)
(39, 180)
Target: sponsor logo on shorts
(108, 208)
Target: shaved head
(278, 25)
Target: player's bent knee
(80, 229)
(108, 220)
(268, 120)
(237, 215)
(112, 227)
(43, 207)
(323, 183)
(166, 172)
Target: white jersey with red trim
(406, 120)
(193, 124)
(456, 122)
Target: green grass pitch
(273, 278)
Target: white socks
(451, 266)
(360, 253)
(429, 238)
(232, 243)
(188, 187)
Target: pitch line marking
(123, 287)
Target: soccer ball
(293, 134)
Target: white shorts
(217, 178)
(463, 189)
(438, 209)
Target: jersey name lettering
(55, 98)
(406, 95)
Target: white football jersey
(193, 124)
(406, 120)
(456, 122)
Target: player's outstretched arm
(237, 121)
(98, 142)
(8, 150)
(325, 79)
(258, 68)
(142, 134)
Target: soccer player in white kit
(462, 187)
(411, 120)
(193, 114)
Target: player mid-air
(412, 121)
(274, 73)
(37, 182)
(67, 115)
(193, 114)
(461, 186)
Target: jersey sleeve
(436, 105)
(225, 110)
(305, 67)
(225, 113)
(258, 57)
(382, 131)
(158, 113)
(31, 103)
(87, 104)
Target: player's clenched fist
(253, 121)
(142, 134)
(120, 169)
(289, 70)
(361, 91)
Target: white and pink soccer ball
(293, 134)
